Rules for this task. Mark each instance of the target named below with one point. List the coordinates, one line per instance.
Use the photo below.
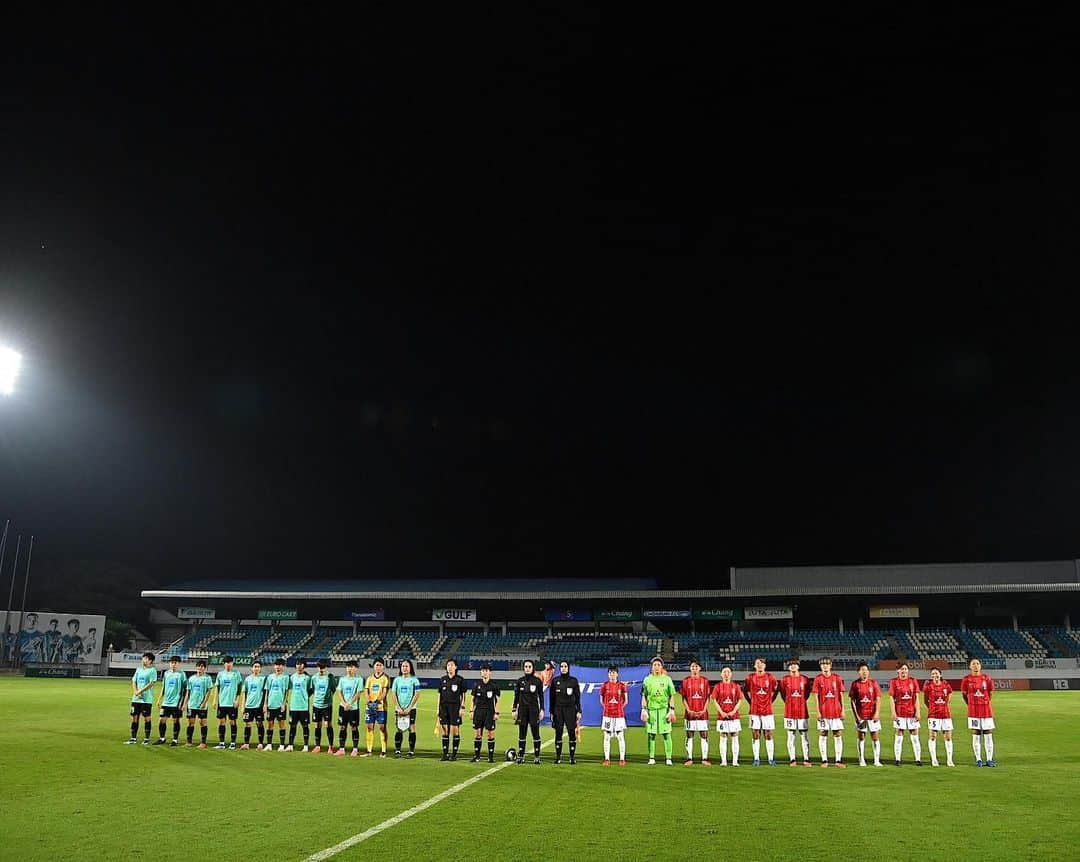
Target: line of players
(298, 699)
(760, 690)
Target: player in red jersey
(977, 688)
(829, 689)
(865, 696)
(904, 691)
(613, 698)
(761, 689)
(795, 690)
(727, 695)
(695, 690)
(936, 693)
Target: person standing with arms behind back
(829, 689)
(976, 689)
(938, 716)
(695, 691)
(795, 689)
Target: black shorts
(297, 716)
(170, 712)
(348, 717)
(141, 708)
(483, 719)
(227, 712)
(565, 717)
(449, 715)
(530, 717)
(196, 713)
(275, 713)
(322, 713)
(255, 714)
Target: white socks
(805, 746)
(989, 739)
(823, 747)
(976, 743)
(897, 747)
(838, 741)
(916, 746)
(734, 749)
(931, 744)
(607, 746)
(622, 744)
(862, 741)
(689, 748)
(877, 751)
(791, 744)
(755, 744)
(948, 751)
(704, 748)
(770, 749)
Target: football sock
(791, 745)
(652, 745)
(976, 743)
(755, 746)
(862, 743)
(931, 744)
(318, 734)
(877, 751)
(232, 732)
(370, 736)
(247, 734)
(176, 730)
(667, 745)
(838, 743)
(281, 734)
(897, 746)
(202, 732)
(146, 727)
(292, 734)
(134, 728)
(330, 735)
(723, 750)
(823, 747)
(398, 737)
(476, 746)
(622, 744)
(989, 740)
(221, 732)
(412, 740)
(261, 731)
(916, 746)
(190, 732)
(770, 749)
(307, 733)
(521, 742)
(455, 744)
(948, 750)
(734, 749)
(805, 746)
(161, 730)
(445, 744)
(573, 745)
(607, 746)
(689, 748)
(491, 748)
(536, 746)
(558, 746)
(704, 748)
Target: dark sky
(531, 294)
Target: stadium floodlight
(9, 369)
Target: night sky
(528, 294)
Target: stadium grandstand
(926, 615)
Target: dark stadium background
(554, 299)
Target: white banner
(768, 613)
(894, 612)
(196, 613)
(454, 615)
(56, 638)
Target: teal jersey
(172, 687)
(656, 691)
(254, 689)
(300, 686)
(348, 686)
(141, 677)
(228, 684)
(277, 687)
(199, 690)
(323, 686)
(404, 688)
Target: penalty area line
(405, 815)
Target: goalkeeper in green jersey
(658, 708)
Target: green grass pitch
(69, 788)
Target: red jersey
(905, 696)
(937, 699)
(865, 696)
(829, 690)
(795, 690)
(695, 694)
(977, 691)
(762, 688)
(613, 696)
(728, 695)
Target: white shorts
(800, 724)
(868, 725)
(903, 724)
(826, 724)
(728, 725)
(936, 724)
(613, 724)
(763, 722)
(697, 725)
(983, 724)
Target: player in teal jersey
(172, 695)
(658, 708)
(227, 684)
(300, 688)
(196, 697)
(349, 689)
(142, 697)
(406, 691)
(277, 692)
(254, 704)
(322, 706)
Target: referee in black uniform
(451, 706)
(528, 709)
(564, 704)
(485, 712)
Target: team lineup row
(288, 702)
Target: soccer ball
(511, 754)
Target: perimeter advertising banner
(894, 612)
(568, 615)
(616, 615)
(591, 678)
(190, 613)
(50, 638)
(774, 612)
(454, 615)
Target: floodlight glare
(9, 369)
